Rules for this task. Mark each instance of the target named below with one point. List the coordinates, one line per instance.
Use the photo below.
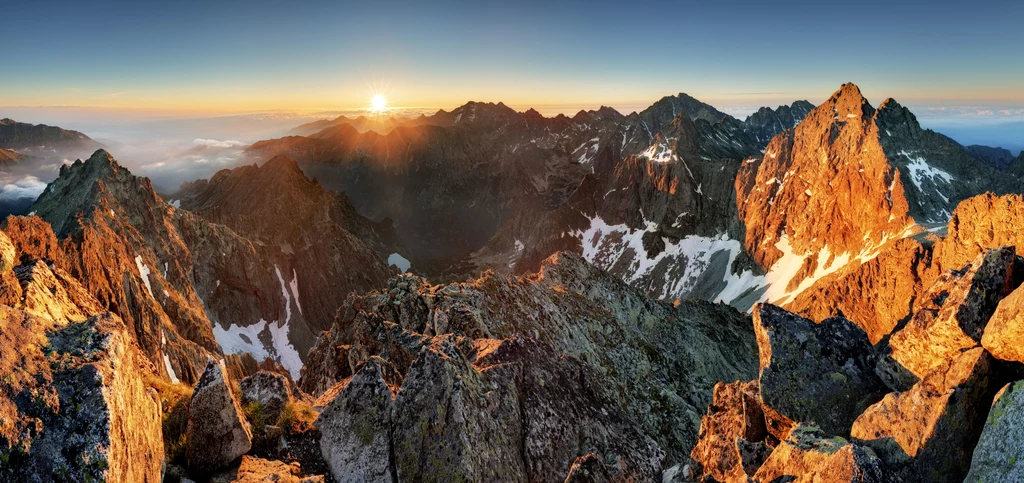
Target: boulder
(567, 412)
(732, 427)
(999, 455)
(259, 470)
(217, 433)
(953, 314)
(808, 455)
(355, 426)
(270, 390)
(73, 404)
(927, 433)
(1004, 335)
(815, 372)
(453, 422)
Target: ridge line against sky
(233, 57)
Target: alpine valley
(823, 293)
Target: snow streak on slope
(144, 273)
(692, 267)
(784, 270)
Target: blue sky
(258, 55)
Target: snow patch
(620, 247)
(170, 370)
(286, 295)
(144, 273)
(237, 340)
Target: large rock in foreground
(928, 432)
(1004, 335)
(815, 372)
(808, 455)
(735, 421)
(355, 426)
(999, 455)
(217, 433)
(78, 411)
(953, 314)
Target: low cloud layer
(27, 187)
(218, 144)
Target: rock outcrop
(589, 356)
(953, 314)
(73, 405)
(810, 455)
(997, 457)
(822, 372)
(356, 425)
(1004, 333)
(269, 390)
(258, 470)
(928, 433)
(217, 433)
(731, 445)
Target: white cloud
(218, 144)
(27, 187)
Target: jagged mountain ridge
(767, 122)
(330, 248)
(1000, 158)
(500, 169)
(189, 288)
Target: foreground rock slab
(808, 455)
(258, 470)
(735, 418)
(73, 404)
(1004, 335)
(955, 312)
(999, 455)
(928, 432)
(355, 426)
(815, 372)
(217, 433)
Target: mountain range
(815, 293)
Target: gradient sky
(259, 55)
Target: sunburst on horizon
(378, 103)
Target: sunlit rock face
(192, 288)
(74, 404)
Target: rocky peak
(848, 103)
(826, 183)
(669, 107)
(767, 122)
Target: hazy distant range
(172, 149)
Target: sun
(378, 103)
